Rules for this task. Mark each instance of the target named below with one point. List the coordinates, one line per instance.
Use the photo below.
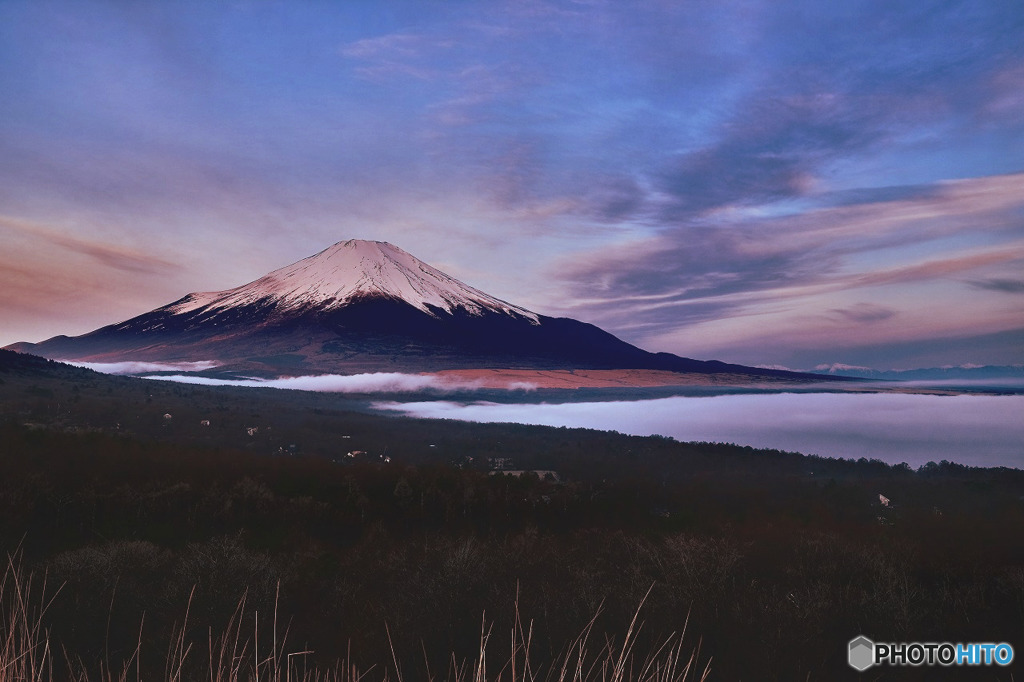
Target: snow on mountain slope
(351, 270)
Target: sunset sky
(766, 182)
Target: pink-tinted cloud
(838, 276)
(712, 156)
(109, 255)
(52, 282)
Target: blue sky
(788, 183)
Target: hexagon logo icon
(861, 653)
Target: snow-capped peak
(355, 269)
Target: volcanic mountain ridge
(365, 306)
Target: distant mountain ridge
(363, 306)
(959, 373)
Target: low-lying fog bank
(913, 422)
(377, 382)
(977, 430)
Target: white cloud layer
(378, 382)
(142, 367)
(970, 429)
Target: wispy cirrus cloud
(819, 114)
(109, 255)
(687, 161)
(53, 281)
(956, 236)
(865, 313)
(396, 54)
(1004, 285)
(770, 150)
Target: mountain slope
(362, 306)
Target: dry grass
(233, 654)
(25, 653)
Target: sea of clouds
(377, 382)
(978, 430)
(142, 367)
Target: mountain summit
(363, 306)
(350, 271)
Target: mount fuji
(363, 306)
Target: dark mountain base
(373, 335)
